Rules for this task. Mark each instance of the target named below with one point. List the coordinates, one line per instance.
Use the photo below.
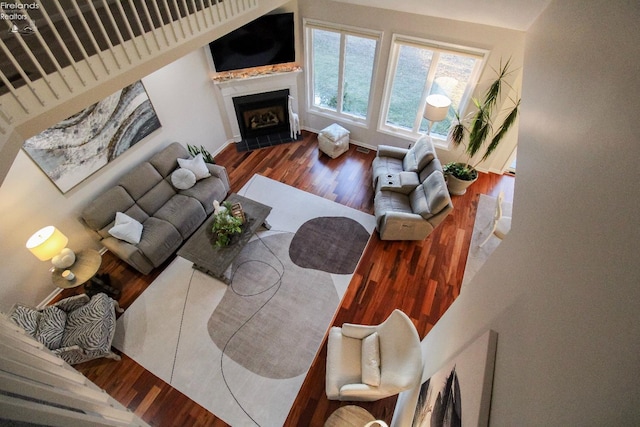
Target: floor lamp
(436, 109)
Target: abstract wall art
(75, 148)
(459, 393)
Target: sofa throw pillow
(51, 327)
(183, 179)
(126, 228)
(371, 360)
(195, 165)
(91, 326)
(26, 318)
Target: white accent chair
(367, 363)
(501, 224)
(294, 120)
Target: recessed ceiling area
(512, 14)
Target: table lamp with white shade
(49, 243)
(437, 109)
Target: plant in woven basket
(225, 226)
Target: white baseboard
(223, 146)
(49, 298)
(351, 141)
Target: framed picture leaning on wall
(459, 393)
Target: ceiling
(512, 14)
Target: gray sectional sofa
(168, 215)
(411, 196)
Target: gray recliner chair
(394, 160)
(415, 215)
(411, 196)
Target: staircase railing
(50, 53)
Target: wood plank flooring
(420, 278)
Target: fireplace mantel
(254, 84)
(256, 72)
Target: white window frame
(437, 48)
(311, 24)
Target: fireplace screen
(263, 117)
(262, 114)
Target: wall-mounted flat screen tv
(268, 40)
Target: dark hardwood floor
(420, 278)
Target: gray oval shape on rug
(269, 327)
(330, 243)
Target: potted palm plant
(478, 129)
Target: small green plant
(479, 127)
(461, 171)
(206, 155)
(225, 226)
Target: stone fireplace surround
(232, 88)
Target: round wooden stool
(348, 416)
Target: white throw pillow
(371, 360)
(126, 228)
(183, 179)
(195, 165)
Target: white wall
(563, 289)
(184, 100)
(502, 43)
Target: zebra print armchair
(77, 328)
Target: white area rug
(481, 229)
(165, 329)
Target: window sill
(438, 141)
(363, 123)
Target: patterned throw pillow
(26, 318)
(89, 326)
(51, 327)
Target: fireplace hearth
(263, 119)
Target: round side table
(349, 416)
(87, 263)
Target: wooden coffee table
(207, 257)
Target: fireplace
(263, 119)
